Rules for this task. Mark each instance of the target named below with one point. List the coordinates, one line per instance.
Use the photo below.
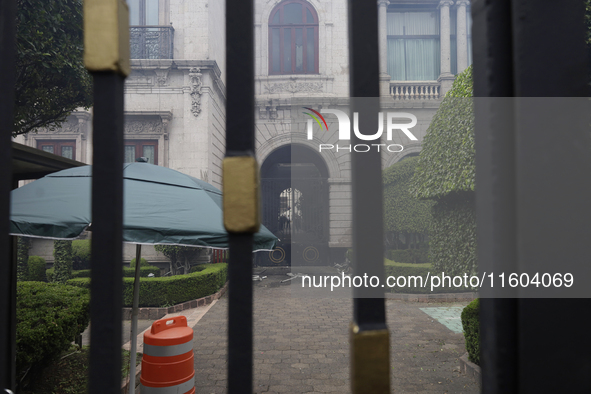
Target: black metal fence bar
(239, 155)
(107, 234)
(558, 196)
(7, 269)
(495, 177)
(106, 56)
(370, 344)
(523, 197)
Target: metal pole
(240, 187)
(134, 313)
(553, 215)
(495, 196)
(370, 356)
(7, 270)
(106, 56)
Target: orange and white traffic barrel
(167, 364)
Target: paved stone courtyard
(301, 346)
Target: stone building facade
(175, 98)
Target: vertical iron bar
(370, 358)
(495, 195)
(7, 269)
(240, 142)
(107, 249)
(557, 226)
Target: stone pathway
(449, 316)
(301, 346)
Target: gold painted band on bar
(370, 361)
(106, 36)
(240, 182)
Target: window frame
(57, 145)
(139, 144)
(291, 27)
(409, 37)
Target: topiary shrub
(406, 219)
(143, 263)
(445, 172)
(81, 254)
(171, 290)
(37, 269)
(62, 253)
(471, 325)
(48, 318)
(409, 256)
(22, 269)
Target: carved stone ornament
(144, 127)
(66, 128)
(295, 87)
(195, 77)
(162, 76)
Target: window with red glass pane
(64, 148)
(293, 39)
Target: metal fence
(151, 42)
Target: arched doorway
(294, 191)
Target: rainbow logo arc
(315, 118)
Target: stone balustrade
(415, 90)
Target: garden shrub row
(170, 290)
(409, 256)
(471, 325)
(48, 318)
(36, 266)
(81, 254)
(127, 272)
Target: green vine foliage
(447, 161)
(22, 267)
(62, 253)
(404, 214)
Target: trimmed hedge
(143, 263)
(409, 256)
(404, 214)
(36, 269)
(127, 272)
(447, 161)
(404, 269)
(48, 318)
(446, 172)
(22, 268)
(471, 324)
(62, 265)
(452, 245)
(170, 290)
(81, 254)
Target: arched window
(293, 38)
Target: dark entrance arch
(294, 191)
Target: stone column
(446, 77)
(462, 35)
(383, 42)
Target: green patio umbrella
(161, 207)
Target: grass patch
(411, 265)
(68, 374)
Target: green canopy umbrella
(161, 207)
